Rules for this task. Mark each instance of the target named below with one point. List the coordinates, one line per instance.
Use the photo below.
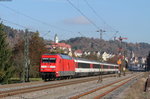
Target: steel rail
(43, 87)
(112, 89)
(101, 87)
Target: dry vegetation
(136, 91)
(94, 44)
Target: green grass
(17, 80)
(36, 79)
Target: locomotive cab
(56, 66)
(48, 67)
(48, 64)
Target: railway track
(46, 85)
(101, 91)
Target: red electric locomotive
(57, 66)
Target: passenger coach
(87, 67)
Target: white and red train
(63, 66)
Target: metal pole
(100, 75)
(119, 74)
(124, 68)
(101, 34)
(101, 78)
(26, 57)
(100, 68)
(120, 54)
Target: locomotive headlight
(52, 66)
(43, 66)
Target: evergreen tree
(6, 68)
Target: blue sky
(130, 17)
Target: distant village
(67, 49)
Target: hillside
(92, 44)
(14, 35)
(88, 44)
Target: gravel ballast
(66, 91)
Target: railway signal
(121, 56)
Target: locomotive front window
(48, 60)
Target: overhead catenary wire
(37, 20)
(16, 24)
(97, 15)
(34, 19)
(100, 18)
(22, 26)
(95, 25)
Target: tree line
(12, 59)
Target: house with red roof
(78, 53)
(62, 46)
